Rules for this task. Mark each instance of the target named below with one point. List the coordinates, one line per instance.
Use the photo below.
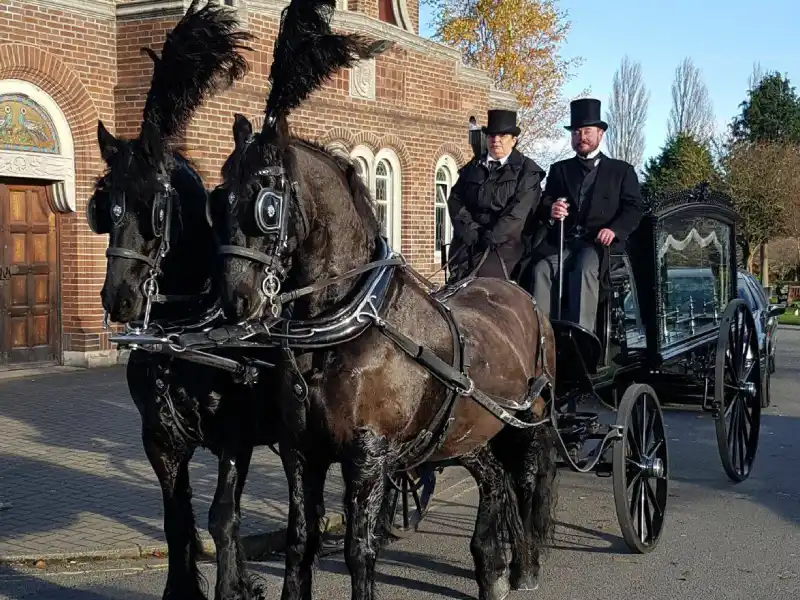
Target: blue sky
(723, 37)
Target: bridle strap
(130, 255)
(250, 254)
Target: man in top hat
(491, 201)
(600, 199)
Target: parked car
(766, 318)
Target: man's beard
(585, 150)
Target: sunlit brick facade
(68, 63)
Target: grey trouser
(581, 284)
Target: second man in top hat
(600, 199)
(490, 203)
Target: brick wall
(94, 70)
(73, 59)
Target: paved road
(722, 542)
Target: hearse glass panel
(694, 270)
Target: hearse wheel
(640, 469)
(737, 391)
(408, 495)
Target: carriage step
(603, 469)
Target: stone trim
(93, 358)
(400, 9)
(34, 165)
(103, 9)
(74, 118)
(502, 99)
(145, 9)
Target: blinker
(269, 210)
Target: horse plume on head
(150, 199)
(306, 54)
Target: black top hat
(500, 122)
(585, 112)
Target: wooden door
(28, 275)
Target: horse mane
(362, 198)
(200, 57)
(307, 53)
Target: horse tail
(200, 57)
(545, 492)
(512, 527)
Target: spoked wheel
(766, 398)
(408, 498)
(641, 469)
(737, 391)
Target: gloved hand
(470, 237)
(488, 238)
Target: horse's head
(287, 214)
(259, 217)
(280, 211)
(150, 202)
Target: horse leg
(243, 459)
(364, 474)
(223, 524)
(171, 467)
(496, 505)
(306, 477)
(528, 456)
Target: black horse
(162, 258)
(359, 388)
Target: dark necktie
(588, 163)
(493, 166)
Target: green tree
(771, 112)
(682, 163)
(770, 115)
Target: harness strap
(429, 440)
(323, 283)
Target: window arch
(387, 193)
(382, 175)
(445, 175)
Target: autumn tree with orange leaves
(518, 42)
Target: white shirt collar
(502, 161)
(592, 154)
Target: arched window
(388, 197)
(445, 177)
(383, 195)
(381, 174)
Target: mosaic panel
(25, 126)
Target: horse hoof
(525, 583)
(499, 590)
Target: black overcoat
(615, 203)
(493, 208)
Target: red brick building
(64, 64)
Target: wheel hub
(749, 388)
(654, 467)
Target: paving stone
(73, 467)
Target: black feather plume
(200, 57)
(307, 53)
